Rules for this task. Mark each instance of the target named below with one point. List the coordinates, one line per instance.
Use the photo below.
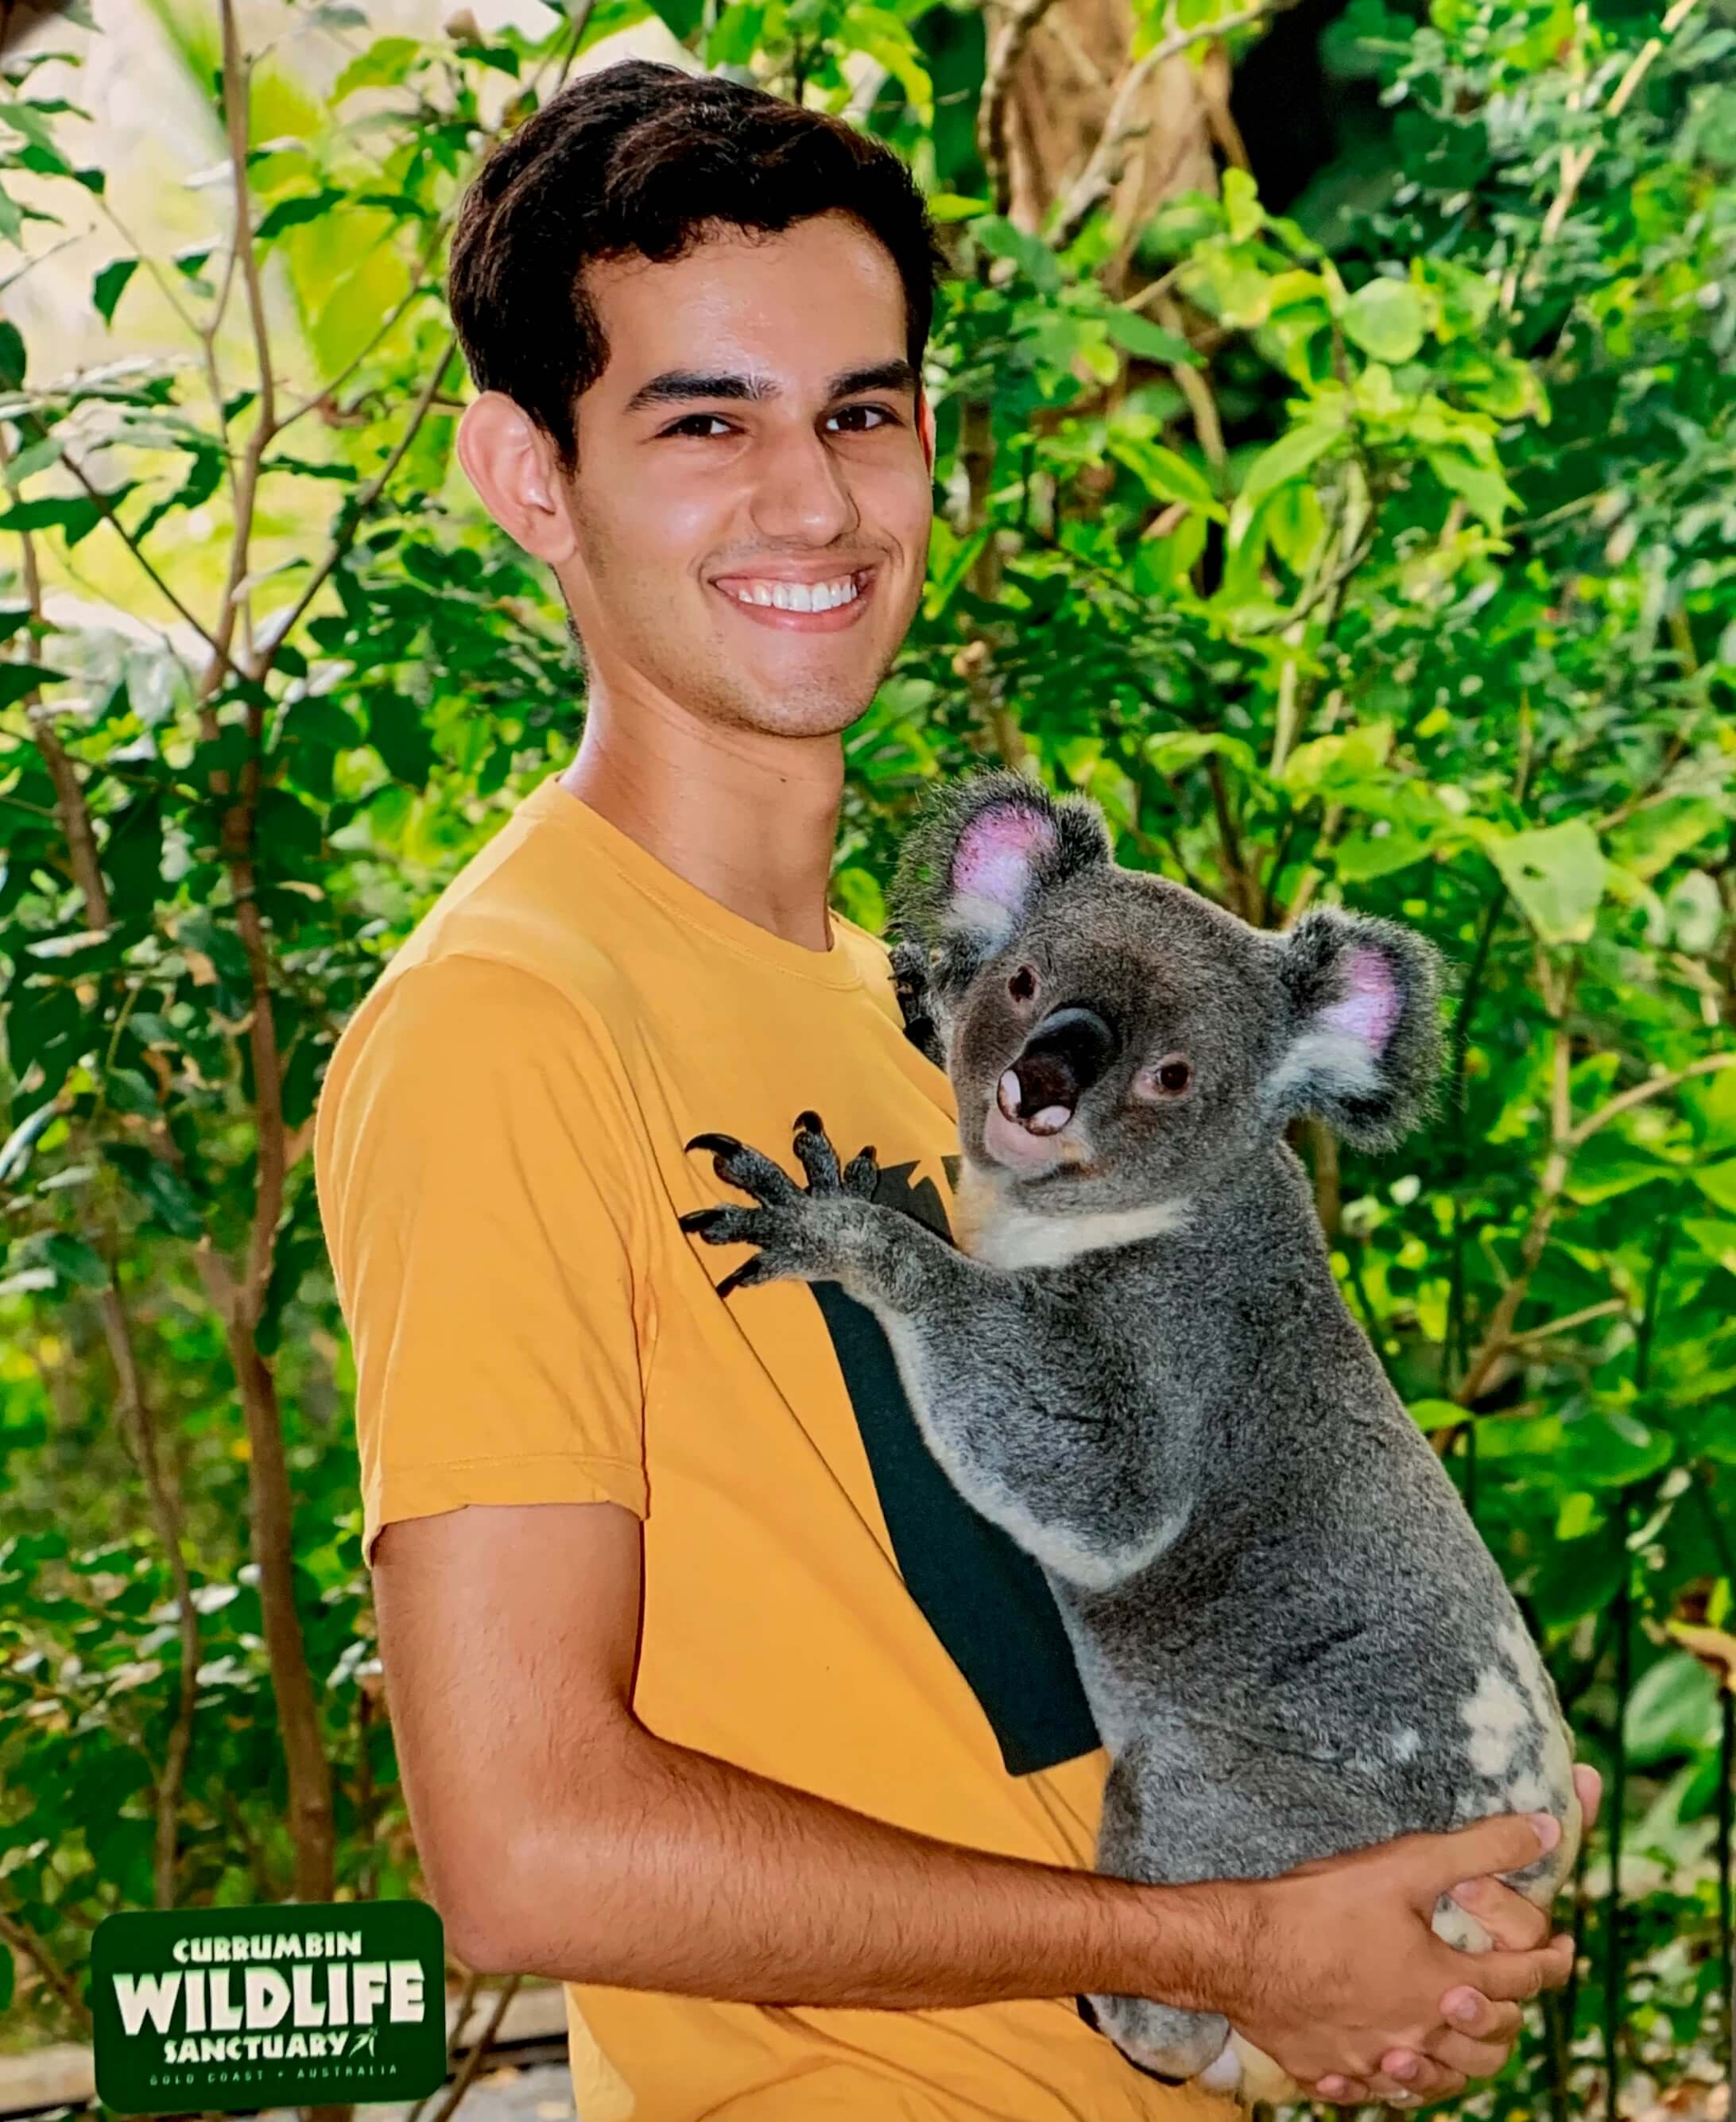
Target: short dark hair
(639, 157)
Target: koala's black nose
(1059, 1062)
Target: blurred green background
(1334, 480)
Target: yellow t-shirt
(500, 1166)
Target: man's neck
(748, 819)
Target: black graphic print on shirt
(984, 1598)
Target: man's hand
(1334, 1957)
(1485, 2031)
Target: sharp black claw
(811, 1121)
(740, 1277)
(698, 1219)
(725, 1143)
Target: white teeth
(799, 597)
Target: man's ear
(512, 466)
(977, 859)
(925, 427)
(1362, 1048)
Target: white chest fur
(1002, 1232)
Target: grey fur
(1139, 1363)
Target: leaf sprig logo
(250, 2007)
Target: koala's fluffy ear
(1362, 1049)
(976, 860)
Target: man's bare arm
(559, 1835)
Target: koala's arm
(1036, 1420)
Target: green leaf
(679, 17)
(954, 206)
(11, 356)
(882, 36)
(107, 287)
(1002, 239)
(396, 731)
(1432, 1414)
(74, 1261)
(168, 1196)
(1717, 1241)
(1164, 475)
(736, 38)
(857, 894)
(1339, 760)
(1674, 1709)
(291, 213)
(1295, 525)
(204, 475)
(383, 63)
(1653, 837)
(1386, 319)
(1718, 1183)
(1487, 494)
(1288, 458)
(77, 518)
(1465, 298)
(1174, 752)
(18, 678)
(1556, 876)
(1611, 1450)
(1607, 1166)
(1241, 206)
(1140, 335)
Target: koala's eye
(1174, 1075)
(1022, 985)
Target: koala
(1137, 1361)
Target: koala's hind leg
(1169, 2043)
(1196, 1802)
(1142, 1837)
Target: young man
(711, 1698)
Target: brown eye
(1022, 985)
(1174, 1075)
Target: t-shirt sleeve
(483, 1192)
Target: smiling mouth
(820, 607)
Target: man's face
(755, 436)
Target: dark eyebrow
(677, 386)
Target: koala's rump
(1265, 1737)
(1382, 1687)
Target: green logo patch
(296, 2004)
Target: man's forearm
(678, 1871)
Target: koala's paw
(803, 1234)
(909, 969)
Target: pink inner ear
(995, 852)
(1370, 1009)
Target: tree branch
(991, 111)
(330, 390)
(235, 105)
(1103, 171)
(1576, 162)
(95, 493)
(20, 1935)
(1637, 1094)
(366, 497)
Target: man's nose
(801, 491)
